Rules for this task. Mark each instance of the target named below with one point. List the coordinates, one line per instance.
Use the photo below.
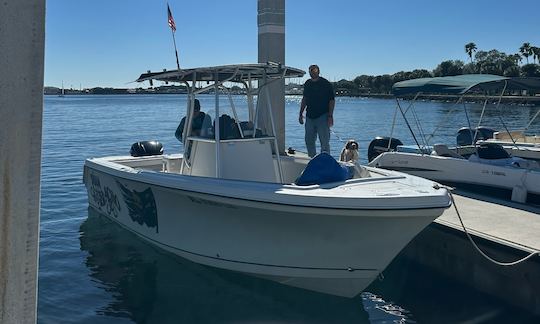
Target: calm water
(92, 271)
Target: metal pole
(392, 129)
(280, 170)
(409, 126)
(217, 130)
(271, 41)
(22, 43)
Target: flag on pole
(170, 19)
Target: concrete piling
(271, 25)
(22, 43)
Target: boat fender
(380, 145)
(519, 194)
(146, 148)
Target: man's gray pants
(314, 127)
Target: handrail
(231, 140)
(276, 146)
(234, 112)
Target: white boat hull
(329, 250)
(461, 171)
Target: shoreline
(516, 100)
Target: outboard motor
(484, 133)
(146, 148)
(465, 135)
(380, 145)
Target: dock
(505, 231)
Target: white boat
(518, 143)
(484, 166)
(233, 203)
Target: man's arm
(302, 108)
(180, 130)
(331, 105)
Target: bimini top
(461, 84)
(227, 73)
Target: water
(92, 271)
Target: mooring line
(505, 264)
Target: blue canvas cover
(323, 168)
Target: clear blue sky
(111, 42)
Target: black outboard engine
(465, 135)
(146, 148)
(380, 145)
(484, 133)
(492, 151)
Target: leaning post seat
(491, 151)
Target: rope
(337, 136)
(505, 264)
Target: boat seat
(228, 129)
(491, 151)
(443, 150)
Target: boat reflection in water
(149, 285)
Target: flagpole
(175, 50)
(172, 24)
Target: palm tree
(536, 53)
(470, 48)
(516, 58)
(526, 51)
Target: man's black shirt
(318, 94)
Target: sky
(109, 43)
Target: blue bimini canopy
(461, 84)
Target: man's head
(314, 71)
(196, 106)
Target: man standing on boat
(318, 101)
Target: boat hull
(339, 252)
(462, 172)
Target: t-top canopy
(231, 73)
(461, 84)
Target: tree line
(484, 62)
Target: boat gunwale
(132, 174)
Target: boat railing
(245, 139)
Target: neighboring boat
(483, 165)
(230, 202)
(516, 142)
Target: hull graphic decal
(141, 206)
